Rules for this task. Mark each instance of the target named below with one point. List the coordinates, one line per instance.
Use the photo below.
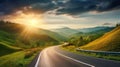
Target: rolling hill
(108, 42)
(97, 32)
(52, 34)
(16, 35)
(6, 49)
(92, 29)
(68, 32)
(65, 31)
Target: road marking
(36, 65)
(75, 60)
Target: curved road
(55, 57)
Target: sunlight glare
(31, 23)
(29, 19)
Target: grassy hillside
(11, 27)
(80, 39)
(6, 49)
(20, 36)
(109, 42)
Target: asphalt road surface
(55, 57)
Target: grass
(7, 37)
(108, 57)
(20, 58)
(15, 60)
(7, 49)
(109, 42)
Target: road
(55, 57)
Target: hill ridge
(108, 42)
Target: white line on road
(36, 65)
(75, 60)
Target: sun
(28, 19)
(32, 22)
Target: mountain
(108, 42)
(86, 30)
(99, 31)
(68, 32)
(52, 34)
(18, 35)
(17, 28)
(65, 31)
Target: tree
(118, 24)
(2, 22)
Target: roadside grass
(14, 59)
(108, 57)
(19, 59)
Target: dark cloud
(11, 6)
(74, 7)
(70, 7)
(43, 7)
(77, 6)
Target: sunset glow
(29, 19)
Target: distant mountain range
(65, 31)
(68, 32)
(86, 30)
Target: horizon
(52, 14)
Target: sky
(50, 14)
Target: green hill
(108, 42)
(52, 34)
(17, 28)
(17, 35)
(6, 49)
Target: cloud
(43, 7)
(11, 6)
(75, 7)
(69, 7)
